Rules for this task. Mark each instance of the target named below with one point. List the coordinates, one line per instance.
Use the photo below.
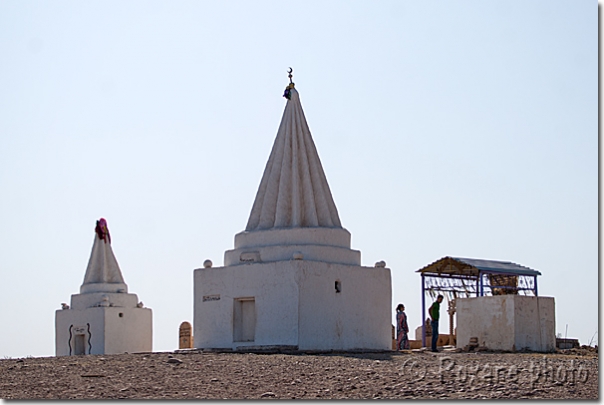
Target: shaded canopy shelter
(463, 277)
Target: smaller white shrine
(103, 318)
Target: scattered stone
(221, 375)
(174, 360)
(267, 394)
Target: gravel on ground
(568, 374)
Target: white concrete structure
(292, 279)
(507, 322)
(104, 318)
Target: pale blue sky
(460, 128)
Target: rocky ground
(569, 374)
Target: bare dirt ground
(569, 374)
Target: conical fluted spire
(293, 192)
(103, 272)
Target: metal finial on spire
(287, 93)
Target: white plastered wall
(109, 333)
(296, 305)
(507, 322)
(273, 287)
(357, 317)
(535, 323)
(130, 333)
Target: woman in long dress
(402, 340)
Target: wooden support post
(451, 312)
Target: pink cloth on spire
(102, 230)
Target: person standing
(402, 339)
(434, 312)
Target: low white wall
(490, 319)
(507, 322)
(535, 323)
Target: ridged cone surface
(293, 192)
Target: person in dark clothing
(434, 312)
